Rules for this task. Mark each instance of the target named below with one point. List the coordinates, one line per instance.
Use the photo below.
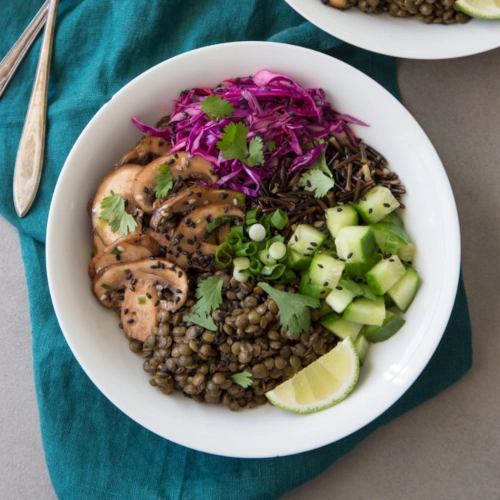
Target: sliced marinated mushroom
(125, 249)
(119, 181)
(185, 200)
(139, 311)
(147, 150)
(181, 166)
(188, 246)
(339, 4)
(114, 281)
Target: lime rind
(482, 9)
(285, 395)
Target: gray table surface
(447, 448)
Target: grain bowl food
(225, 240)
(430, 11)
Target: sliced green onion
(234, 240)
(240, 275)
(265, 257)
(255, 266)
(273, 272)
(245, 249)
(241, 263)
(222, 256)
(287, 277)
(238, 230)
(257, 232)
(251, 217)
(277, 250)
(278, 219)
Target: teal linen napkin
(94, 451)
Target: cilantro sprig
(316, 181)
(209, 295)
(164, 181)
(234, 145)
(295, 314)
(113, 212)
(216, 108)
(244, 379)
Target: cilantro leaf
(316, 181)
(200, 319)
(233, 145)
(270, 145)
(219, 221)
(244, 379)
(216, 108)
(295, 315)
(113, 212)
(164, 181)
(321, 163)
(209, 295)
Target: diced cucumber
(385, 274)
(325, 270)
(406, 252)
(339, 217)
(340, 326)
(366, 311)
(358, 289)
(361, 345)
(393, 218)
(393, 229)
(324, 309)
(386, 241)
(376, 204)
(296, 261)
(306, 287)
(405, 289)
(306, 239)
(355, 243)
(392, 323)
(339, 298)
(359, 269)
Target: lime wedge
(322, 384)
(484, 9)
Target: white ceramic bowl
(92, 332)
(408, 38)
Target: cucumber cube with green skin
(392, 323)
(385, 274)
(361, 345)
(339, 217)
(358, 289)
(355, 270)
(341, 327)
(296, 261)
(339, 298)
(306, 239)
(376, 204)
(366, 311)
(325, 270)
(405, 289)
(306, 287)
(406, 252)
(356, 243)
(386, 241)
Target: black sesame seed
(338, 287)
(339, 209)
(370, 210)
(349, 255)
(223, 196)
(130, 321)
(179, 274)
(128, 276)
(325, 283)
(320, 266)
(313, 244)
(133, 282)
(171, 161)
(387, 205)
(125, 311)
(148, 295)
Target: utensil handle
(11, 61)
(30, 153)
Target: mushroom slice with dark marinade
(189, 247)
(147, 149)
(182, 168)
(118, 181)
(140, 289)
(125, 249)
(183, 201)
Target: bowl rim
(308, 440)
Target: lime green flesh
(484, 9)
(322, 384)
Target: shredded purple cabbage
(274, 107)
